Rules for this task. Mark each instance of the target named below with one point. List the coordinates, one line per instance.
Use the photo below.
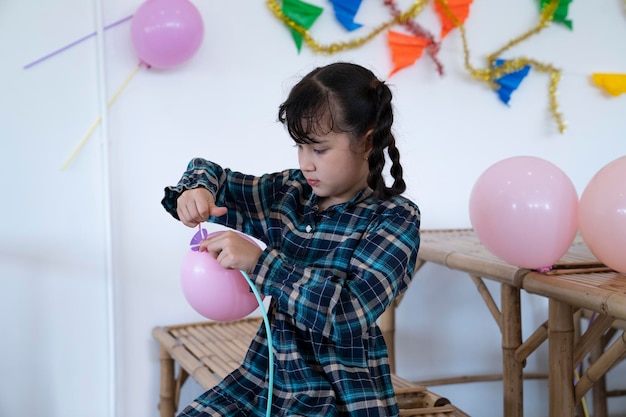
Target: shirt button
(308, 228)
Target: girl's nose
(306, 163)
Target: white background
(89, 261)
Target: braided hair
(347, 98)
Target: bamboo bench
(208, 351)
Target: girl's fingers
(218, 211)
(200, 209)
(187, 216)
(183, 215)
(196, 205)
(208, 245)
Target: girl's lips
(313, 183)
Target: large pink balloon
(166, 33)
(603, 214)
(525, 211)
(213, 291)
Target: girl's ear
(368, 144)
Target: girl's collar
(358, 197)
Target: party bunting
(613, 84)
(560, 14)
(345, 10)
(303, 14)
(458, 8)
(413, 10)
(509, 82)
(405, 49)
(419, 31)
(492, 73)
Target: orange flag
(458, 8)
(405, 49)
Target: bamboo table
(460, 249)
(603, 292)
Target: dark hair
(346, 98)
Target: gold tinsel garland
(410, 13)
(488, 75)
(493, 72)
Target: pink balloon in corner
(603, 215)
(213, 291)
(166, 33)
(525, 211)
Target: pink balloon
(213, 291)
(602, 216)
(166, 33)
(525, 211)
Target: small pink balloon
(602, 216)
(213, 291)
(166, 33)
(525, 211)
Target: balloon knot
(544, 269)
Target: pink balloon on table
(525, 211)
(602, 215)
(213, 291)
(166, 33)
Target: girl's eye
(319, 151)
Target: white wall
(222, 104)
(53, 310)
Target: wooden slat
(604, 293)
(533, 342)
(597, 369)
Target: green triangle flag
(560, 14)
(304, 14)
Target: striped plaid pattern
(330, 274)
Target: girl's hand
(196, 205)
(232, 250)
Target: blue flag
(509, 82)
(345, 10)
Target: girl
(341, 246)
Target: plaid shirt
(330, 274)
